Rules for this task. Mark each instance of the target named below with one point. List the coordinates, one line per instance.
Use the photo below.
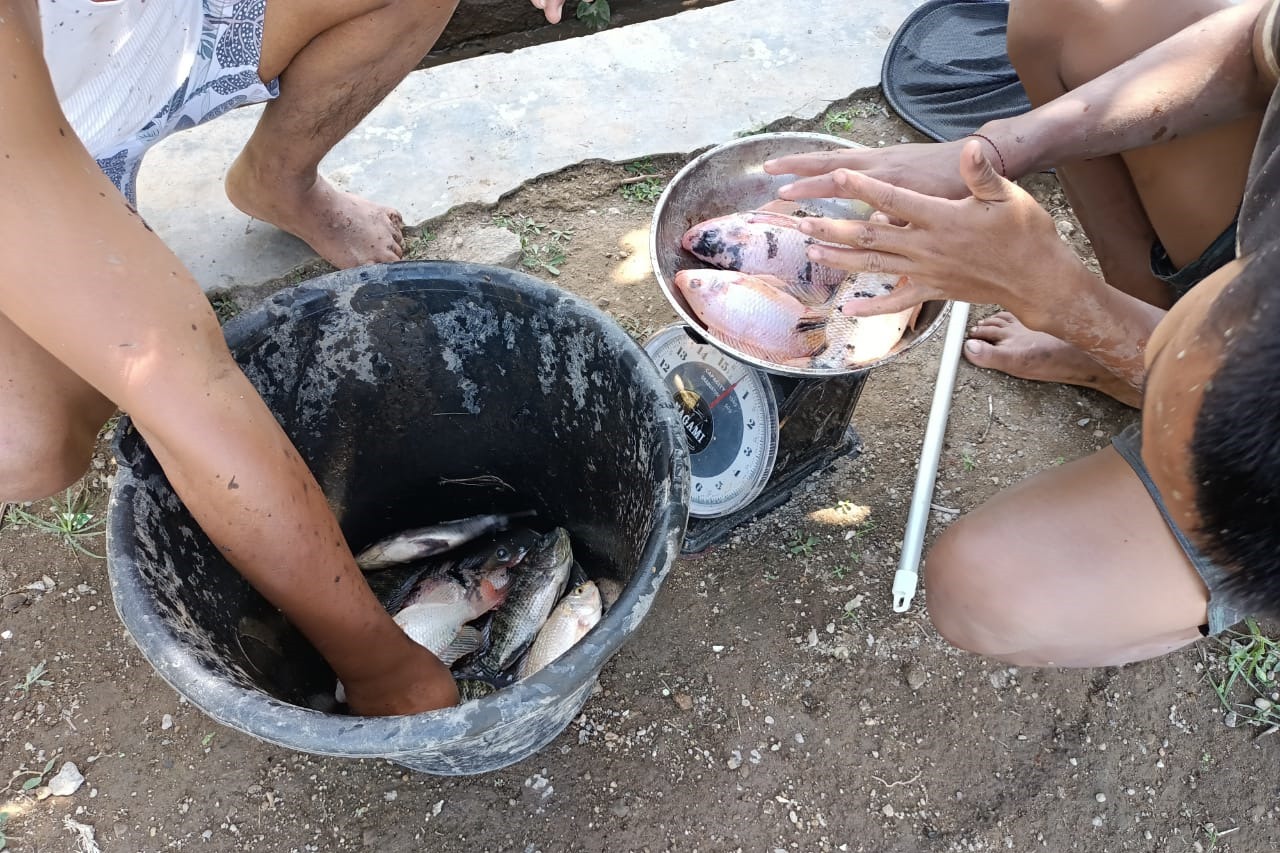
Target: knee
(38, 462)
(971, 600)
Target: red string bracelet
(1004, 173)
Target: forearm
(1203, 76)
(252, 494)
(1107, 324)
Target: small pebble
(916, 676)
(887, 811)
(683, 701)
(1100, 797)
(166, 722)
(66, 781)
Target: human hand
(998, 245)
(553, 9)
(410, 680)
(931, 168)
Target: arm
(1204, 75)
(998, 245)
(123, 314)
(1201, 77)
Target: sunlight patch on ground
(635, 267)
(843, 514)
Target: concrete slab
(473, 130)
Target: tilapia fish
(755, 314)
(572, 618)
(861, 340)
(763, 243)
(535, 589)
(434, 612)
(425, 542)
(433, 602)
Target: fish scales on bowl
(486, 597)
(730, 258)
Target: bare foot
(344, 229)
(1002, 343)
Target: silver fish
(761, 242)
(535, 589)
(425, 542)
(573, 617)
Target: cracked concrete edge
(475, 130)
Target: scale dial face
(730, 420)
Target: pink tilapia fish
(762, 242)
(755, 314)
(852, 341)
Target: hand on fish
(411, 681)
(998, 245)
(931, 168)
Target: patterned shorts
(224, 76)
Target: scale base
(702, 534)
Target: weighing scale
(753, 435)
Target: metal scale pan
(814, 406)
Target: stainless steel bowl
(731, 178)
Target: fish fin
(776, 218)
(746, 345)
(468, 640)
(577, 577)
(915, 315)
(781, 206)
(395, 584)
(812, 294)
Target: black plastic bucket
(417, 392)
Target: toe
(992, 334)
(979, 352)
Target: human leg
(1072, 567)
(49, 420)
(335, 62)
(1185, 192)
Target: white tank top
(116, 63)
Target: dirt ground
(772, 701)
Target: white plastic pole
(907, 577)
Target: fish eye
(503, 554)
